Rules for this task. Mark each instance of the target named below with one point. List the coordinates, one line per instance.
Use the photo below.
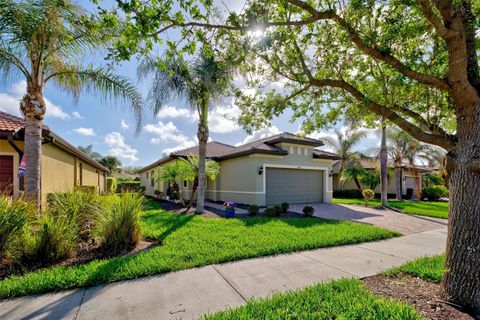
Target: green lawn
(422, 208)
(340, 299)
(427, 268)
(189, 241)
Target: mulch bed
(424, 296)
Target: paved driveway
(385, 218)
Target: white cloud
(124, 124)
(118, 147)
(172, 112)
(165, 132)
(77, 115)
(183, 145)
(260, 134)
(222, 119)
(10, 102)
(89, 132)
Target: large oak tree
(322, 51)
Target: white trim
(325, 175)
(243, 192)
(269, 156)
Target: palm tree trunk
(176, 188)
(202, 152)
(398, 182)
(33, 108)
(384, 167)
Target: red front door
(6, 174)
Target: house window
(291, 150)
(305, 151)
(147, 175)
(152, 180)
(81, 173)
(185, 183)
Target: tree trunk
(176, 188)
(357, 183)
(202, 153)
(33, 108)
(384, 167)
(462, 279)
(398, 182)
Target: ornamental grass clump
(15, 215)
(118, 227)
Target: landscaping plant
(253, 210)
(278, 210)
(118, 226)
(368, 194)
(14, 216)
(434, 193)
(270, 212)
(285, 207)
(308, 211)
(111, 185)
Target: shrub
(270, 212)
(80, 207)
(128, 186)
(278, 210)
(14, 216)
(285, 207)
(253, 210)
(118, 227)
(111, 185)
(432, 179)
(86, 189)
(308, 211)
(54, 238)
(435, 192)
(368, 194)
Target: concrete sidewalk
(188, 294)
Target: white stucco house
(269, 171)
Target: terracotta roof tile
(214, 149)
(11, 123)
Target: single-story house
(269, 171)
(62, 165)
(411, 176)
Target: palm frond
(8, 58)
(100, 81)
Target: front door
(6, 175)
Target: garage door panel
(293, 185)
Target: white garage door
(293, 186)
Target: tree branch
(436, 139)
(436, 22)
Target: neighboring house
(410, 177)
(269, 171)
(62, 165)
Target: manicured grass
(189, 241)
(426, 268)
(422, 208)
(340, 299)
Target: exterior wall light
(260, 171)
(330, 174)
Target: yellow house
(62, 165)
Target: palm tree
(343, 144)
(88, 150)
(353, 172)
(191, 171)
(112, 163)
(201, 82)
(171, 173)
(42, 41)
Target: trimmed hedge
(111, 185)
(128, 186)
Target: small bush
(435, 192)
(14, 216)
(368, 194)
(128, 186)
(111, 185)
(270, 212)
(80, 207)
(253, 210)
(54, 239)
(278, 210)
(86, 189)
(308, 211)
(285, 207)
(118, 227)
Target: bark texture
(398, 182)
(202, 135)
(33, 108)
(462, 279)
(384, 168)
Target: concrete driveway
(385, 218)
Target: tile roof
(10, 123)
(221, 151)
(321, 154)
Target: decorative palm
(212, 169)
(88, 150)
(343, 145)
(112, 163)
(201, 82)
(172, 173)
(353, 172)
(42, 40)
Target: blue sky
(110, 128)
